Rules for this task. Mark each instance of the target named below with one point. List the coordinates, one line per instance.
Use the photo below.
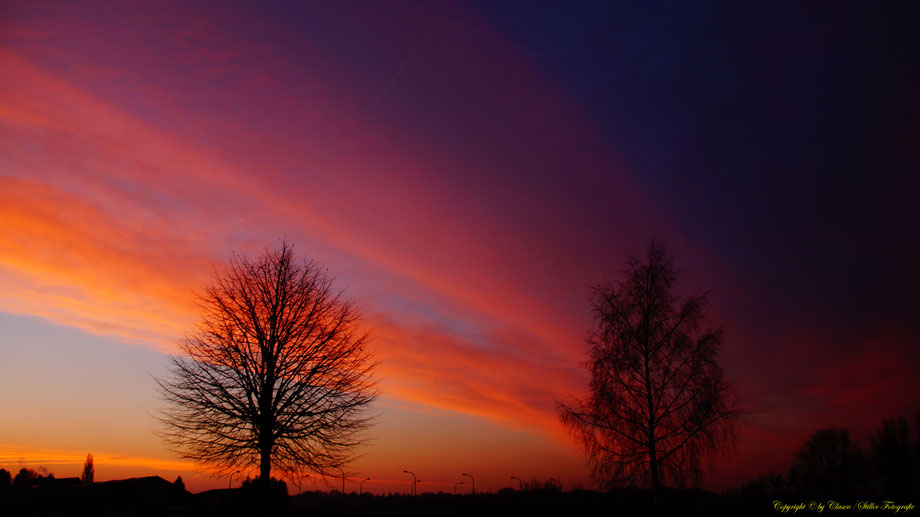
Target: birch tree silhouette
(659, 404)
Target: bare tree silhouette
(659, 405)
(829, 464)
(277, 374)
(895, 457)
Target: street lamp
(361, 485)
(300, 483)
(521, 483)
(455, 487)
(230, 484)
(414, 480)
(474, 482)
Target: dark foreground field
(154, 496)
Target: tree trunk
(265, 466)
(267, 417)
(266, 436)
(653, 466)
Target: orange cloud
(121, 219)
(66, 259)
(499, 379)
(88, 244)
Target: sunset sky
(466, 171)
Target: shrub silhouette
(272, 495)
(766, 486)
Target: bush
(5, 480)
(273, 494)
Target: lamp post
(455, 487)
(414, 480)
(520, 483)
(300, 483)
(473, 487)
(361, 485)
(230, 484)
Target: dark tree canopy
(26, 478)
(659, 405)
(829, 464)
(896, 457)
(277, 374)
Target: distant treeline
(26, 478)
(156, 496)
(830, 464)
